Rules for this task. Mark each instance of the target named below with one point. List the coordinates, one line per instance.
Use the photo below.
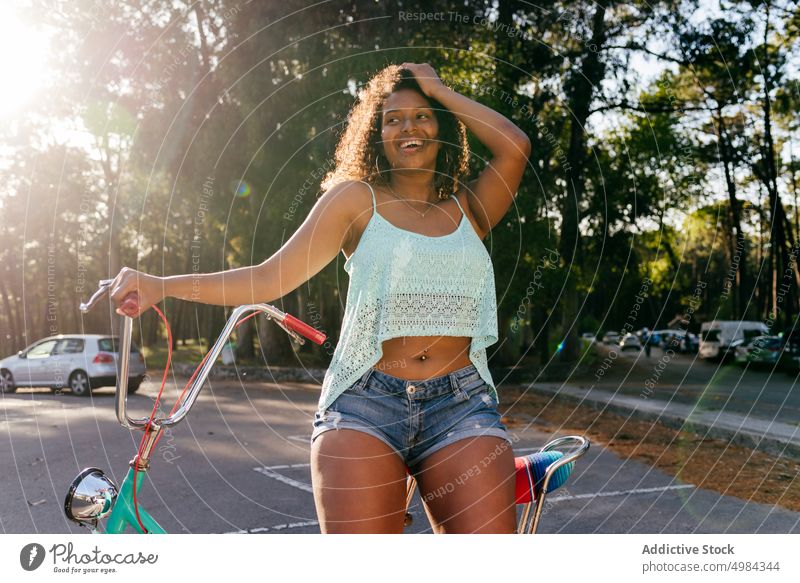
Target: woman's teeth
(411, 145)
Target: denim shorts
(415, 418)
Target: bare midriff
(414, 358)
(417, 358)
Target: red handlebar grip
(302, 328)
(130, 303)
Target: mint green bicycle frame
(124, 514)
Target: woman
(408, 389)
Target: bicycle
(93, 496)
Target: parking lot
(759, 391)
(239, 463)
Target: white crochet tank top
(408, 284)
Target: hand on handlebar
(133, 292)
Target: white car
(630, 341)
(80, 362)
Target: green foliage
(207, 127)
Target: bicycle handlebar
(104, 286)
(299, 326)
(289, 323)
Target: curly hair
(359, 154)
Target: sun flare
(23, 56)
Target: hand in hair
(425, 76)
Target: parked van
(716, 336)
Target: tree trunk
(544, 334)
(739, 250)
(275, 343)
(12, 344)
(778, 218)
(244, 340)
(580, 89)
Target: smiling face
(409, 130)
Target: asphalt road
(685, 378)
(239, 463)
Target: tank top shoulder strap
(374, 205)
(459, 205)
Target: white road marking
(269, 471)
(276, 527)
(281, 478)
(289, 525)
(25, 420)
(285, 466)
(282, 467)
(620, 492)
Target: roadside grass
(713, 464)
(192, 352)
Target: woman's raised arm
(313, 246)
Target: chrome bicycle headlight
(91, 496)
